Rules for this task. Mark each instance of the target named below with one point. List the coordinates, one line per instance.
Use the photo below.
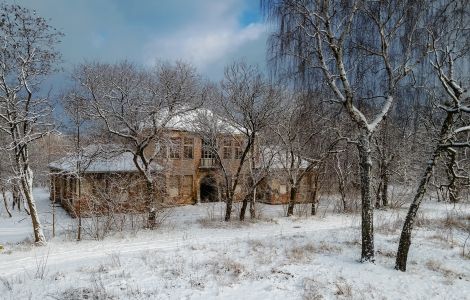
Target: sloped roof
(98, 163)
(189, 121)
(280, 158)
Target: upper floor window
(188, 148)
(238, 150)
(227, 148)
(207, 151)
(175, 147)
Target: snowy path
(61, 255)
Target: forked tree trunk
(5, 202)
(27, 184)
(367, 225)
(292, 196)
(244, 206)
(405, 237)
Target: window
(175, 148)
(227, 148)
(174, 186)
(207, 150)
(188, 148)
(238, 150)
(187, 186)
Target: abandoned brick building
(189, 171)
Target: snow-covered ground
(194, 255)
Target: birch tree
(449, 52)
(324, 40)
(27, 57)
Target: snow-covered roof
(99, 163)
(280, 158)
(191, 121)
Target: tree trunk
(79, 234)
(16, 196)
(384, 164)
(5, 202)
(405, 237)
(27, 184)
(53, 205)
(253, 205)
(453, 188)
(228, 208)
(293, 194)
(152, 212)
(314, 196)
(385, 186)
(243, 208)
(367, 225)
(341, 184)
(378, 196)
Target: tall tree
(243, 106)
(304, 140)
(449, 48)
(250, 103)
(324, 40)
(27, 57)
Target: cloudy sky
(207, 33)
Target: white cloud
(202, 48)
(207, 33)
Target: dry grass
(226, 271)
(326, 248)
(343, 289)
(422, 220)
(386, 253)
(6, 283)
(389, 225)
(300, 254)
(311, 290)
(437, 266)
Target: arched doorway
(208, 190)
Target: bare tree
(304, 141)
(249, 102)
(27, 57)
(448, 46)
(76, 109)
(134, 105)
(325, 39)
(244, 106)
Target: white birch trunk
(27, 185)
